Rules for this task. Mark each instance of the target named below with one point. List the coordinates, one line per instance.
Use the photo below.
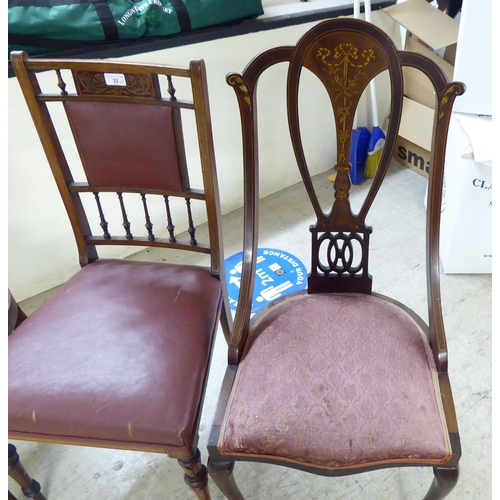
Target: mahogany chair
(30, 487)
(119, 356)
(338, 379)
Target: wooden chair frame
(352, 33)
(142, 87)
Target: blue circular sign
(277, 273)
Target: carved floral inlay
(93, 82)
(454, 89)
(345, 67)
(237, 81)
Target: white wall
(41, 250)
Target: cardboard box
(473, 62)
(417, 86)
(466, 215)
(462, 49)
(415, 135)
(412, 156)
(429, 31)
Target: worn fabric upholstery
(98, 360)
(337, 381)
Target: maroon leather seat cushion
(119, 354)
(337, 381)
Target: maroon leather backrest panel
(126, 145)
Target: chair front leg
(445, 480)
(30, 487)
(196, 475)
(222, 475)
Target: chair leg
(196, 476)
(30, 487)
(445, 480)
(222, 475)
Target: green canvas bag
(40, 26)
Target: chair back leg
(29, 487)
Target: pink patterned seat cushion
(337, 381)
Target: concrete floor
(397, 266)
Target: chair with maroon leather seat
(29, 486)
(119, 356)
(338, 379)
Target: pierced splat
(342, 258)
(345, 65)
(345, 62)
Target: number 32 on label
(115, 79)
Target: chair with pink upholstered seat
(338, 380)
(119, 356)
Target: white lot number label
(115, 79)
(277, 273)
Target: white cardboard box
(473, 60)
(467, 48)
(466, 214)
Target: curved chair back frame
(345, 60)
